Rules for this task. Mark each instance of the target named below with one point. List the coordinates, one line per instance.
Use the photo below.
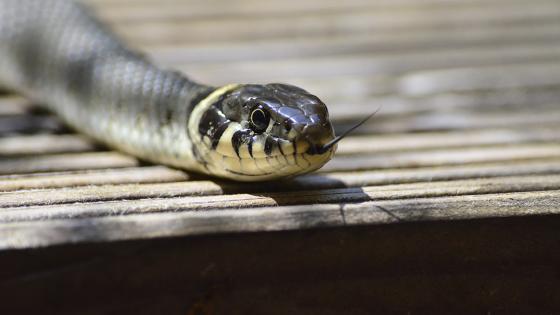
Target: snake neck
(56, 52)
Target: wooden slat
(57, 162)
(455, 120)
(14, 124)
(44, 144)
(126, 175)
(388, 64)
(52, 200)
(454, 81)
(158, 174)
(443, 157)
(272, 5)
(472, 79)
(427, 174)
(373, 20)
(443, 140)
(141, 12)
(356, 90)
(36, 234)
(13, 105)
(328, 45)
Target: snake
(60, 55)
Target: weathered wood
(442, 140)
(464, 80)
(13, 105)
(173, 10)
(211, 200)
(329, 45)
(426, 174)
(453, 208)
(495, 265)
(14, 124)
(458, 120)
(34, 234)
(385, 64)
(44, 144)
(235, 28)
(450, 194)
(359, 90)
(157, 174)
(273, 5)
(150, 174)
(89, 208)
(443, 157)
(67, 161)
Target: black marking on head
(250, 147)
(303, 157)
(183, 83)
(217, 134)
(287, 125)
(240, 137)
(210, 120)
(280, 148)
(268, 145)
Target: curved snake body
(56, 52)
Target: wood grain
(468, 92)
(372, 20)
(35, 234)
(66, 161)
(209, 195)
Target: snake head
(261, 132)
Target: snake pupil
(259, 120)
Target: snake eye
(259, 119)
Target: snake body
(57, 53)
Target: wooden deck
(448, 199)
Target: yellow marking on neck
(194, 121)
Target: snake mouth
(274, 168)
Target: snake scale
(57, 53)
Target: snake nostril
(287, 125)
(317, 134)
